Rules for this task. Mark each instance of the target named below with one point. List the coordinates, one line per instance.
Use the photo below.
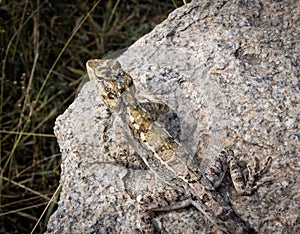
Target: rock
(230, 72)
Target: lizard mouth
(92, 63)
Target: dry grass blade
(54, 197)
(45, 81)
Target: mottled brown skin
(164, 155)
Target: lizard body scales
(165, 156)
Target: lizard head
(110, 81)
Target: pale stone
(230, 71)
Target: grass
(44, 47)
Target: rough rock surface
(230, 72)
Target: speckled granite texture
(230, 72)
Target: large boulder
(229, 71)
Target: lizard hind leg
(246, 184)
(171, 199)
(216, 170)
(174, 199)
(259, 172)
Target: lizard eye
(99, 78)
(110, 95)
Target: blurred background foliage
(44, 46)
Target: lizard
(167, 158)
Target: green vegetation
(44, 47)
